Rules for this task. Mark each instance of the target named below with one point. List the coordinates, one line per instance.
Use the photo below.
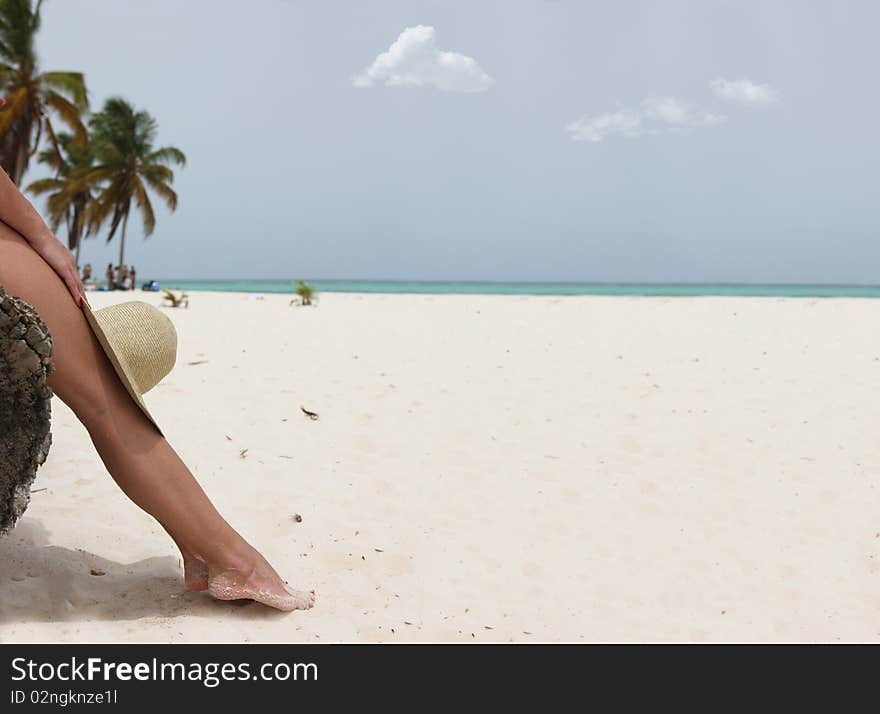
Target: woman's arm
(17, 213)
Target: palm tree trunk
(21, 162)
(23, 153)
(75, 229)
(122, 240)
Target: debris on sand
(310, 415)
(97, 572)
(298, 518)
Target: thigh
(83, 377)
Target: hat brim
(119, 364)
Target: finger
(75, 273)
(71, 281)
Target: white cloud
(595, 129)
(743, 91)
(670, 110)
(415, 61)
(656, 115)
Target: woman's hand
(62, 262)
(17, 213)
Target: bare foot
(260, 585)
(195, 573)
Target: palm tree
(30, 94)
(68, 193)
(305, 292)
(126, 164)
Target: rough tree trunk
(25, 399)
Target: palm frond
(157, 172)
(96, 174)
(17, 28)
(50, 157)
(167, 153)
(71, 83)
(120, 211)
(38, 188)
(16, 106)
(165, 192)
(102, 206)
(142, 201)
(58, 207)
(67, 111)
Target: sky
(505, 140)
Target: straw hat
(140, 342)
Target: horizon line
(292, 281)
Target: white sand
(555, 469)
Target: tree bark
(20, 164)
(25, 404)
(74, 231)
(122, 240)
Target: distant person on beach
(133, 275)
(109, 275)
(38, 269)
(88, 280)
(125, 280)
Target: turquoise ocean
(489, 288)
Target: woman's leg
(140, 460)
(195, 571)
